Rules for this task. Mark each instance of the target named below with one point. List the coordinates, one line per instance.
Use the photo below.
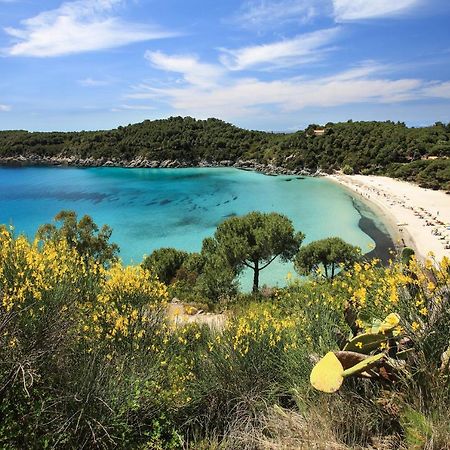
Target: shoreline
(416, 217)
(383, 236)
(403, 219)
(388, 238)
(143, 163)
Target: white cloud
(300, 49)
(263, 14)
(5, 108)
(123, 108)
(249, 96)
(75, 27)
(440, 90)
(92, 82)
(193, 71)
(347, 10)
(268, 13)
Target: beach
(420, 217)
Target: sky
(274, 65)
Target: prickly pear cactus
(329, 373)
(374, 336)
(365, 343)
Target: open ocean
(154, 208)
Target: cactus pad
(327, 374)
(365, 343)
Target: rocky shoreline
(140, 162)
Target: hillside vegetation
(90, 358)
(388, 148)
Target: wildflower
(391, 321)
(415, 326)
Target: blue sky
(260, 64)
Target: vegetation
(330, 254)
(414, 154)
(252, 241)
(165, 263)
(255, 241)
(90, 357)
(84, 236)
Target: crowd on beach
(428, 217)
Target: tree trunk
(256, 278)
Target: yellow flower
(359, 345)
(415, 326)
(391, 321)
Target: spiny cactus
(374, 336)
(355, 359)
(329, 373)
(365, 343)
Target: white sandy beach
(422, 216)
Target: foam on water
(153, 208)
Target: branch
(261, 268)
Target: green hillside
(414, 154)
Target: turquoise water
(153, 208)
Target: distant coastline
(385, 240)
(143, 163)
(421, 155)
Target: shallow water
(153, 208)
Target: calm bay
(154, 208)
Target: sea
(153, 208)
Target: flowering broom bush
(88, 358)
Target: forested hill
(416, 154)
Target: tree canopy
(330, 253)
(255, 241)
(84, 235)
(165, 263)
(385, 148)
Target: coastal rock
(142, 162)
